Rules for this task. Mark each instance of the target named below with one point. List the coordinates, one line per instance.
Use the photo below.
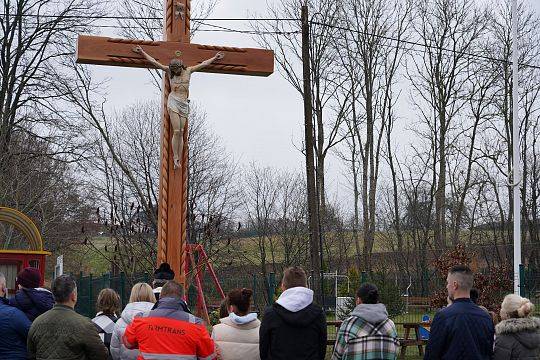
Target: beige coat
(237, 341)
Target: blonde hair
(108, 302)
(142, 292)
(515, 306)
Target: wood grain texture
(112, 52)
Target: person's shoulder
(270, 310)
(443, 313)
(9, 311)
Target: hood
(247, 322)
(524, 330)
(241, 320)
(372, 313)
(296, 298)
(135, 309)
(38, 298)
(171, 303)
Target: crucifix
(176, 48)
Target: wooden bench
(416, 341)
(417, 302)
(335, 324)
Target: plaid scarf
(359, 340)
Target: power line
(121, 17)
(413, 43)
(217, 28)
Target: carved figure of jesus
(178, 100)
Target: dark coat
(14, 326)
(286, 335)
(32, 302)
(62, 334)
(461, 331)
(518, 339)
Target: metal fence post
(90, 300)
(271, 287)
(123, 289)
(522, 287)
(254, 288)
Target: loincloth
(178, 106)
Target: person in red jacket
(170, 331)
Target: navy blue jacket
(32, 302)
(14, 326)
(461, 331)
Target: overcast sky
(259, 119)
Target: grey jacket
(518, 339)
(118, 349)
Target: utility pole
(516, 161)
(310, 167)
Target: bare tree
(284, 39)
(449, 31)
(371, 53)
(32, 53)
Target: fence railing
(88, 288)
(265, 291)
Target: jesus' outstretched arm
(139, 50)
(205, 63)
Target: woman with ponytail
(237, 336)
(517, 336)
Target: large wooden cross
(172, 213)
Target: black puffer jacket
(518, 339)
(293, 335)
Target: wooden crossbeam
(118, 52)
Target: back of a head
(294, 277)
(172, 289)
(142, 292)
(368, 294)
(108, 302)
(241, 299)
(62, 287)
(515, 306)
(3, 285)
(29, 278)
(464, 276)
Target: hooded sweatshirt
(293, 328)
(118, 350)
(238, 337)
(367, 334)
(518, 339)
(32, 301)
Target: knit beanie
(29, 278)
(164, 272)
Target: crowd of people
(157, 324)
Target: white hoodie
(296, 298)
(118, 350)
